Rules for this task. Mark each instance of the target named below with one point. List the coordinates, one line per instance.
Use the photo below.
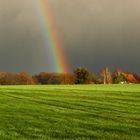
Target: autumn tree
(41, 78)
(54, 78)
(68, 78)
(24, 78)
(6, 78)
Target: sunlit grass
(102, 112)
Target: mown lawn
(83, 112)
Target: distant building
(129, 77)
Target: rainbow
(56, 58)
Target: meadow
(82, 112)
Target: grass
(84, 112)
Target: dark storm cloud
(94, 33)
(20, 42)
(100, 33)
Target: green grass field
(102, 112)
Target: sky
(94, 34)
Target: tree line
(80, 75)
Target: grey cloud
(94, 33)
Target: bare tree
(107, 76)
